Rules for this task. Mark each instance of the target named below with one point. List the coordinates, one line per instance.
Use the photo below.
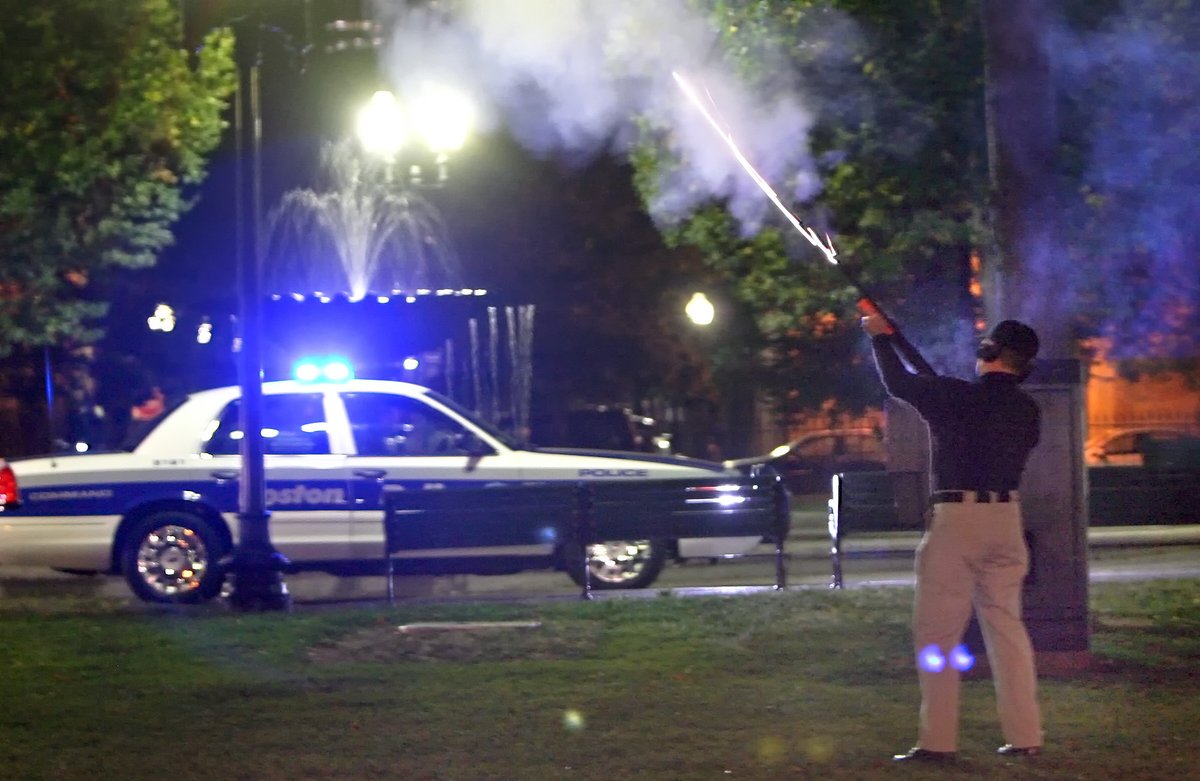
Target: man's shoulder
(957, 383)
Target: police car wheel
(172, 556)
(621, 564)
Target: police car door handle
(371, 474)
(225, 474)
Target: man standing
(973, 552)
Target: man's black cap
(1016, 336)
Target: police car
(164, 514)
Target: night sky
(530, 229)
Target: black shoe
(1009, 750)
(918, 754)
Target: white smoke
(572, 76)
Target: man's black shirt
(981, 432)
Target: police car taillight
(10, 495)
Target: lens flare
(573, 720)
(961, 658)
(931, 660)
(771, 750)
(818, 748)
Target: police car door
(404, 444)
(307, 491)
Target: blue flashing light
(411, 364)
(306, 372)
(338, 371)
(930, 659)
(961, 658)
(323, 370)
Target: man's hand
(876, 324)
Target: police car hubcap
(617, 562)
(172, 559)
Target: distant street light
(700, 310)
(438, 117)
(163, 319)
(204, 332)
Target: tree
(1024, 143)
(104, 121)
(609, 295)
(901, 150)
(1131, 117)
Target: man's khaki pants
(973, 554)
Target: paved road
(1126, 553)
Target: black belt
(972, 497)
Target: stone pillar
(906, 441)
(1054, 504)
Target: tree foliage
(900, 147)
(609, 296)
(104, 121)
(1132, 113)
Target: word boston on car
(164, 513)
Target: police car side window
(292, 424)
(387, 425)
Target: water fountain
(365, 234)
(490, 391)
(368, 235)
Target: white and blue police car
(165, 513)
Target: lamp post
(438, 117)
(255, 565)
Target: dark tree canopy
(104, 121)
(899, 144)
(901, 147)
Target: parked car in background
(809, 462)
(1128, 447)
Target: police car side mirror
(475, 447)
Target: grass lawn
(797, 685)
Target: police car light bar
(323, 370)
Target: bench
(577, 514)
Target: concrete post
(906, 441)
(1054, 504)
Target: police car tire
(651, 568)
(214, 549)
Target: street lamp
(439, 117)
(444, 117)
(381, 125)
(700, 310)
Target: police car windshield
(507, 439)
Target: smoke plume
(572, 75)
